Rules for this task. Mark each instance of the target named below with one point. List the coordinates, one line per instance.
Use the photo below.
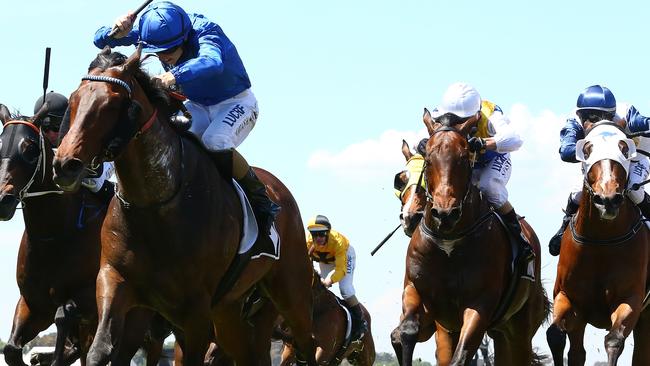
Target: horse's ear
(428, 121)
(133, 62)
(105, 51)
(40, 114)
(406, 151)
(5, 115)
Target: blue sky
(340, 83)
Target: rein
(40, 165)
(144, 128)
(638, 224)
(429, 233)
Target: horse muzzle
(68, 173)
(448, 217)
(8, 204)
(608, 206)
(410, 222)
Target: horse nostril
(454, 214)
(435, 213)
(72, 166)
(598, 199)
(617, 200)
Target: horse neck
(47, 214)
(149, 169)
(589, 223)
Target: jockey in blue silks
(204, 64)
(594, 104)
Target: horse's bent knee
(13, 355)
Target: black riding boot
(556, 240)
(644, 206)
(359, 324)
(264, 208)
(512, 223)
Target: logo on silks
(605, 141)
(234, 114)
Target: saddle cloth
(250, 231)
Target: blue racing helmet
(163, 26)
(596, 103)
(597, 97)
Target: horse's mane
(156, 93)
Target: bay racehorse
(602, 272)
(409, 188)
(58, 258)
(173, 234)
(459, 280)
(331, 332)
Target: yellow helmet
(319, 223)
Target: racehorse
(173, 232)
(331, 324)
(459, 281)
(58, 258)
(602, 272)
(409, 188)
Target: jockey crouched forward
(336, 260)
(97, 182)
(493, 141)
(594, 104)
(200, 60)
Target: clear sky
(340, 83)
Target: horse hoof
(13, 355)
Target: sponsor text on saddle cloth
(250, 231)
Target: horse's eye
(624, 149)
(28, 151)
(587, 149)
(401, 178)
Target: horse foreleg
(471, 334)
(64, 320)
(26, 325)
(623, 320)
(405, 336)
(445, 344)
(114, 300)
(556, 333)
(641, 333)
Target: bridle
(108, 152)
(433, 234)
(40, 165)
(468, 187)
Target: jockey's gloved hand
(476, 144)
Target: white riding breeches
(492, 179)
(224, 125)
(346, 285)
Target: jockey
(97, 182)
(203, 63)
(336, 260)
(493, 139)
(594, 104)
